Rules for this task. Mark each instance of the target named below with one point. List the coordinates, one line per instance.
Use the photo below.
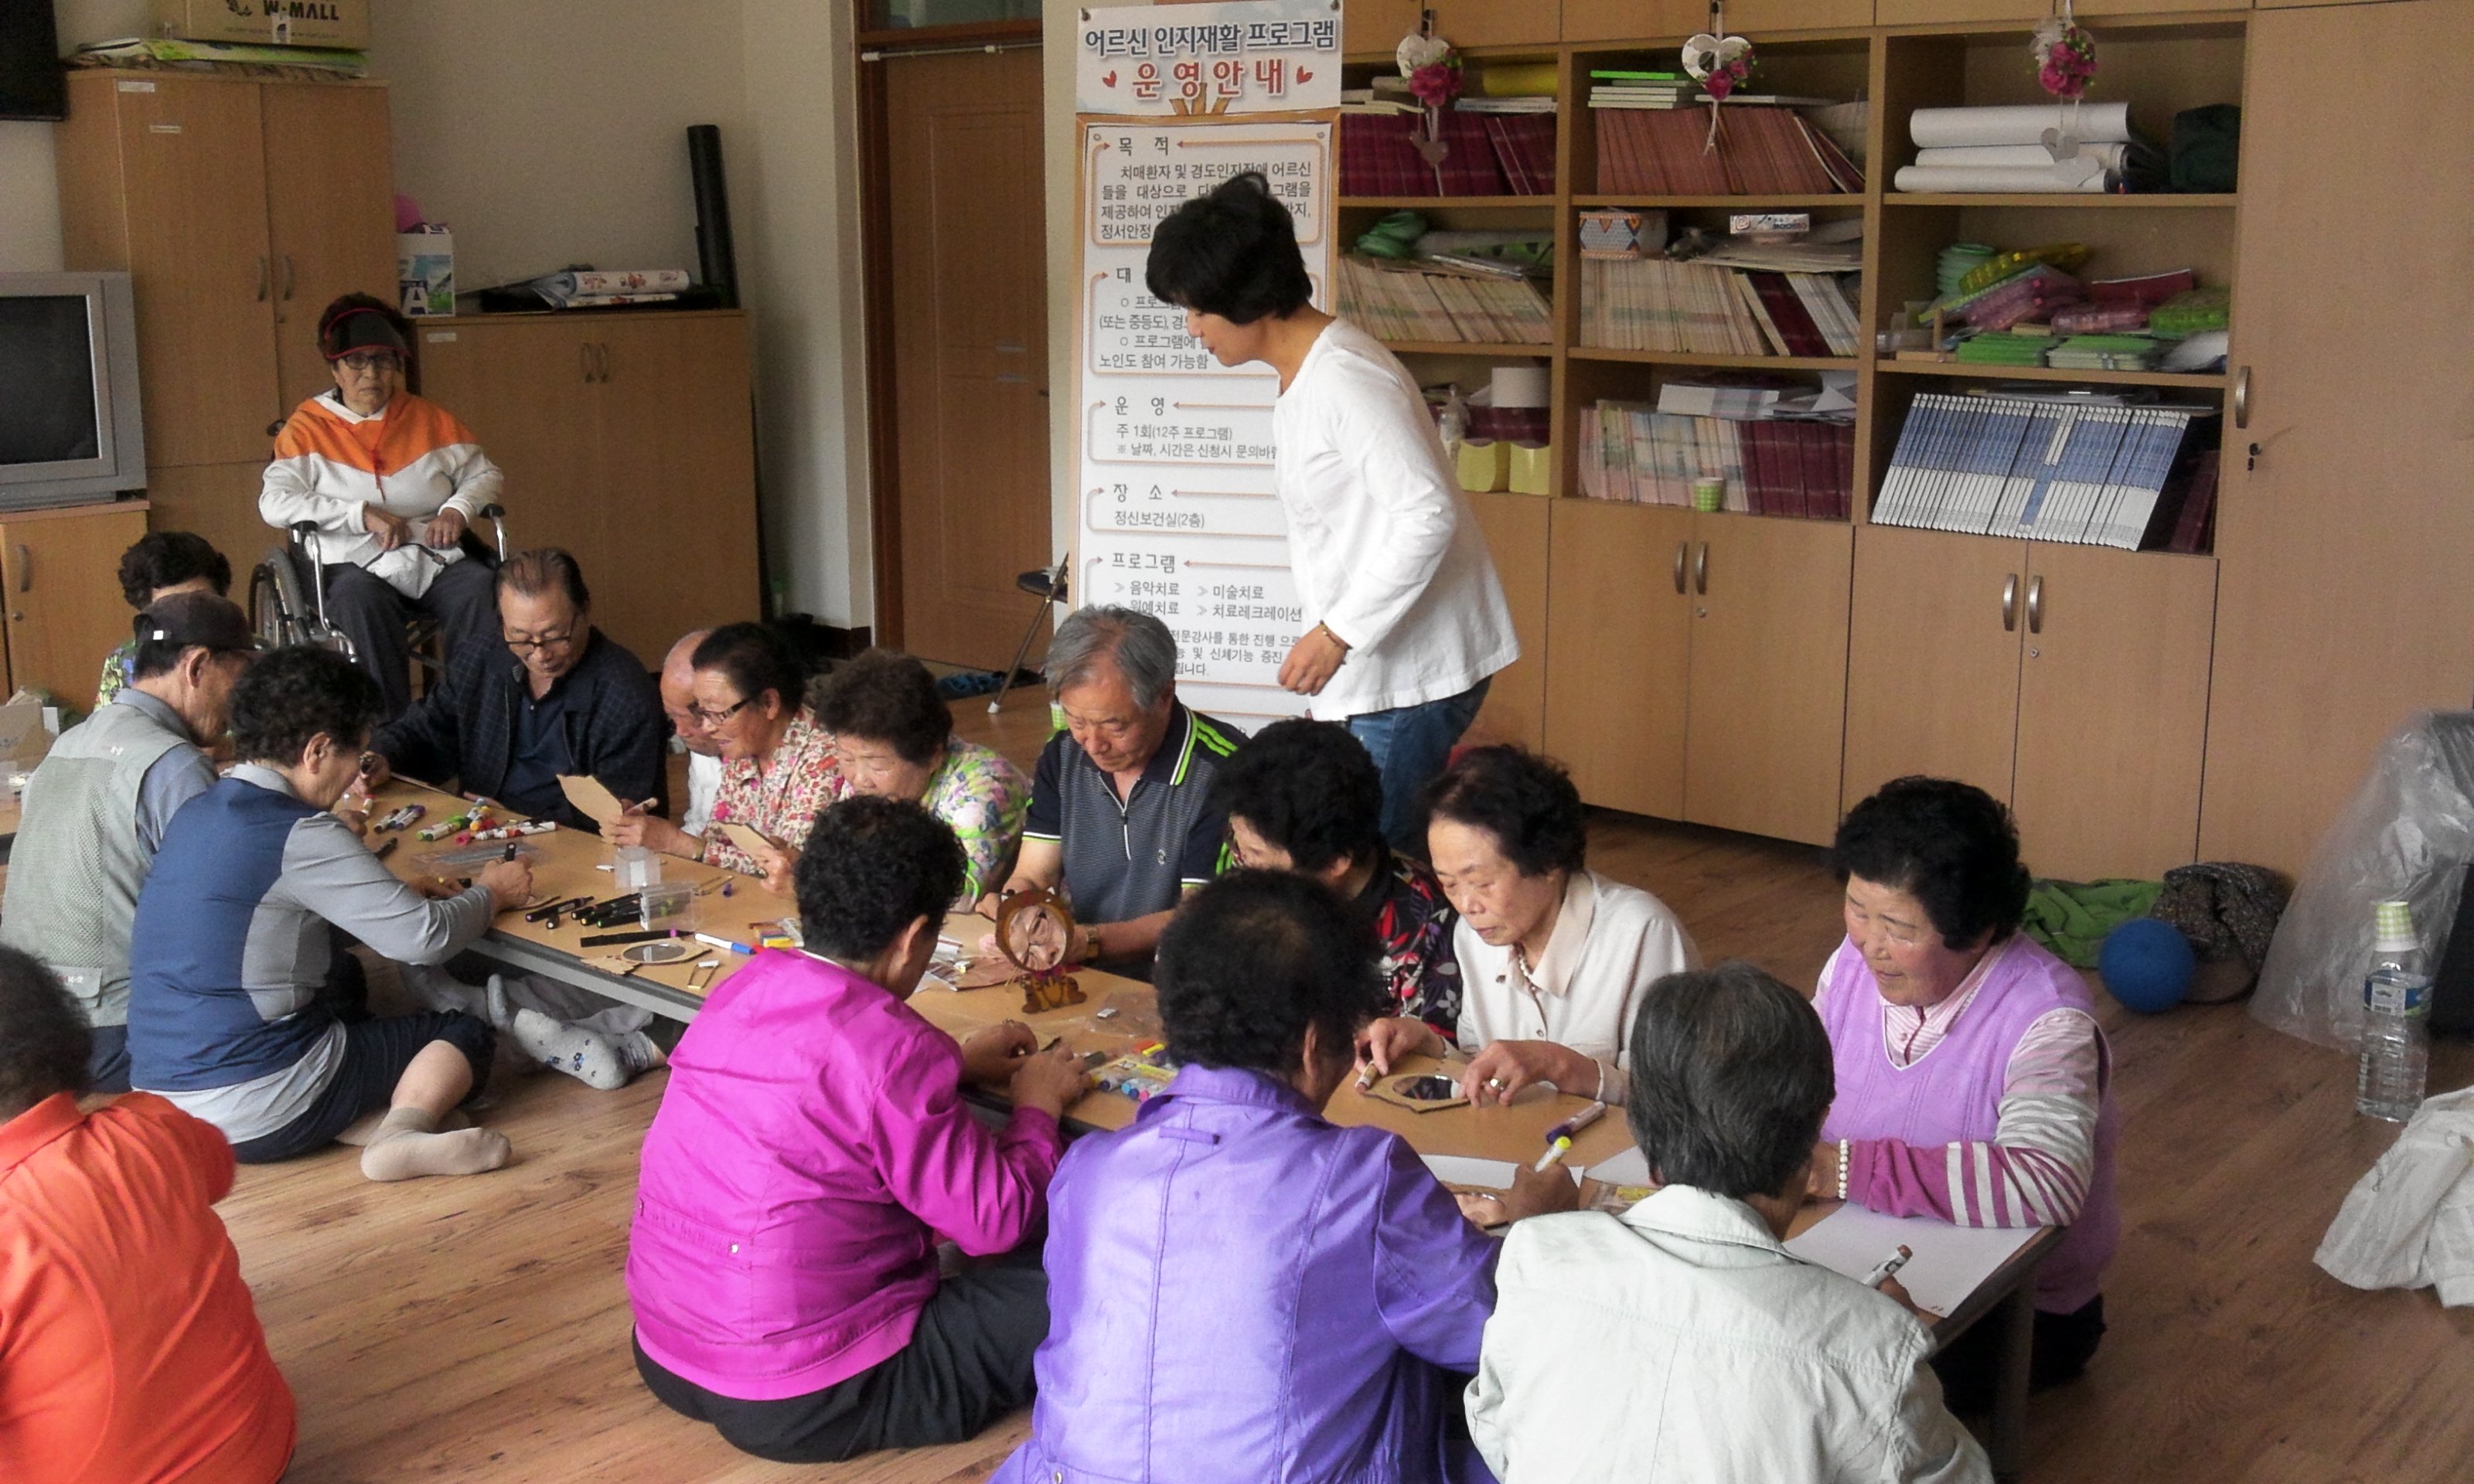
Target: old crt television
(69, 426)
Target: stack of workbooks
(1654, 303)
(1632, 451)
(1487, 151)
(1402, 302)
(1623, 89)
(2094, 470)
(1759, 150)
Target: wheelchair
(287, 602)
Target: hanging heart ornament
(1705, 53)
(1420, 51)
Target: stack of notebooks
(1619, 89)
(1631, 451)
(1486, 154)
(2098, 473)
(1654, 303)
(1406, 303)
(1761, 152)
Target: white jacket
(1680, 1341)
(2409, 1223)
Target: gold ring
(1496, 1083)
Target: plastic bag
(2406, 836)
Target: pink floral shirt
(779, 802)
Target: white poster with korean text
(1175, 510)
(1236, 57)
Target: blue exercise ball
(2146, 965)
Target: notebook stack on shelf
(1762, 151)
(1487, 153)
(1631, 451)
(1658, 305)
(1660, 90)
(1405, 303)
(2083, 470)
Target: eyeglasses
(522, 644)
(363, 365)
(713, 718)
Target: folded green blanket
(2072, 918)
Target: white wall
(30, 205)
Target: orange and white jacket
(413, 458)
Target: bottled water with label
(2396, 1018)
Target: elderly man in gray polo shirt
(96, 808)
(1120, 807)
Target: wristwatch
(1091, 949)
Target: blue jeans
(1409, 744)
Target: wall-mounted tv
(70, 428)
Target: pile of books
(1634, 453)
(2098, 473)
(1762, 151)
(1402, 302)
(1487, 151)
(1692, 308)
(1622, 89)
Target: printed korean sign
(1241, 57)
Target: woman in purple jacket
(1239, 1290)
(811, 1149)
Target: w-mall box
(341, 23)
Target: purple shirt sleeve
(985, 1190)
(1434, 1272)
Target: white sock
(587, 1056)
(407, 1147)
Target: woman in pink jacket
(811, 1149)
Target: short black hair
(885, 697)
(1951, 846)
(535, 572)
(298, 693)
(1231, 251)
(159, 559)
(181, 618)
(47, 1044)
(754, 659)
(1255, 958)
(1308, 787)
(1526, 801)
(871, 868)
(1731, 1078)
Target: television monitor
(33, 83)
(70, 429)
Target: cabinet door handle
(287, 277)
(2010, 604)
(262, 278)
(601, 358)
(2242, 398)
(2036, 605)
(25, 567)
(1681, 549)
(1701, 571)
(584, 357)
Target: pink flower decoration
(1718, 85)
(1436, 83)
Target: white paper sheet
(2109, 156)
(1942, 129)
(1631, 1167)
(1949, 1263)
(2056, 178)
(1454, 1169)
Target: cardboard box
(425, 272)
(342, 23)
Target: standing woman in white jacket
(1410, 621)
(393, 482)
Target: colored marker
(1554, 1155)
(1577, 1122)
(1888, 1266)
(711, 941)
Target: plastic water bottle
(2396, 1018)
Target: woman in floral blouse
(778, 765)
(894, 737)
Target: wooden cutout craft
(1033, 931)
(1393, 1090)
(751, 842)
(591, 799)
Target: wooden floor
(477, 1328)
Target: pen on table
(724, 942)
(386, 846)
(1577, 1122)
(1556, 1149)
(1888, 1267)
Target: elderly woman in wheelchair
(379, 488)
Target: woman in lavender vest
(1973, 1082)
(1238, 1290)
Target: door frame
(869, 51)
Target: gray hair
(1139, 645)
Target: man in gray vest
(96, 807)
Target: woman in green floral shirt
(161, 564)
(893, 737)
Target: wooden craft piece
(1396, 1089)
(591, 799)
(750, 841)
(1033, 931)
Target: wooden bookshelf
(1443, 203)
(1599, 201)
(1700, 361)
(2066, 201)
(1465, 347)
(1959, 371)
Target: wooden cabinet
(626, 439)
(2343, 606)
(239, 209)
(1625, 20)
(64, 611)
(1918, 12)
(1699, 664)
(1515, 535)
(1373, 28)
(1465, 23)
(1619, 619)
(2070, 681)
